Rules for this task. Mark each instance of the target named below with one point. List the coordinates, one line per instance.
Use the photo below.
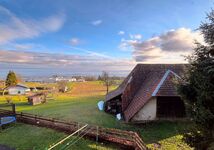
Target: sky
(65, 37)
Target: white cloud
(92, 53)
(169, 47)
(96, 22)
(13, 27)
(74, 41)
(126, 45)
(90, 62)
(121, 32)
(136, 36)
(23, 46)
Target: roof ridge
(163, 79)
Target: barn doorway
(114, 106)
(170, 107)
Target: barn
(148, 93)
(37, 98)
(18, 89)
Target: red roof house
(148, 93)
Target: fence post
(13, 108)
(78, 128)
(97, 135)
(20, 116)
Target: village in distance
(106, 75)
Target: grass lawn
(27, 137)
(80, 104)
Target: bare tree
(19, 78)
(107, 80)
(62, 86)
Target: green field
(80, 104)
(25, 137)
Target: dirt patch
(3, 147)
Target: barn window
(170, 107)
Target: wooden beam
(60, 142)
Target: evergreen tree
(11, 79)
(198, 88)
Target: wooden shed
(36, 99)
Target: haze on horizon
(68, 37)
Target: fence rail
(4, 113)
(125, 139)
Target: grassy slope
(81, 105)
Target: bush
(9, 100)
(197, 138)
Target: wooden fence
(124, 139)
(8, 111)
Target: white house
(72, 80)
(18, 89)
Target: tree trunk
(107, 89)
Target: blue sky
(91, 36)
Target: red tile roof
(168, 88)
(144, 81)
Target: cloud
(121, 32)
(127, 45)
(23, 46)
(169, 47)
(74, 41)
(96, 22)
(91, 53)
(13, 27)
(136, 36)
(90, 62)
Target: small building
(18, 89)
(148, 93)
(33, 89)
(72, 80)
(36, 99)
(59, 79)
(81, 80)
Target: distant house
(65, 79)
(33, 89)
(81, 80)
(59, 79)
(37, 99)
(72, 80)
(18, 89)
(148, 93)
